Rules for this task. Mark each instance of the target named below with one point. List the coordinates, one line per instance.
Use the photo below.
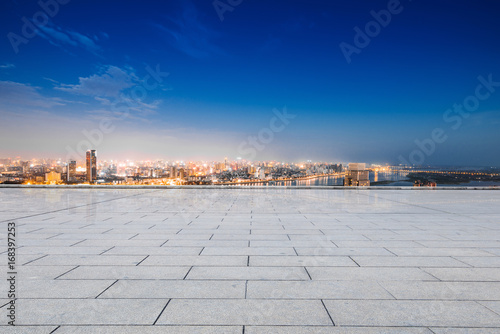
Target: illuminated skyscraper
(71, 171)
(91, 166)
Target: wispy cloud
(64, 38)
(7, 65)
(113, 86)
(109, 82)
(186, 33)
(16, 96)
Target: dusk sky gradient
(226, 77)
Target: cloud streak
(110, 82)
(14, 96)
(64, 38)
(7, 66)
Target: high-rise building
(357, 175)
(182, 173)
(71, 171)
(91, 166)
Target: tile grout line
(159, 315)
(142, 260)
(107, 250)
(425, 271)
(54, 236)
(77, 242)
(354, 261)
(106, 289)
(489, 309)
(67, 272)
(390, 251)
(327, 312)
(307, 272)
(35, 259)
(55, 329)
(187, 273)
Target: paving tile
(444, 290)
(6, 329)
(438, 330)
(125, 272)
(465, 274)
(247, 251)
(461, 244)
(369, 274)
(206, 243)
(343, 251)
(62, 250)
(481, 261)
(249, 237)
(244, 311)
(309, 261)
(316, 290)
(126, 243)
(438, 251)
(89, 311)
(334, 237)
(376, 243)
(61, 289)
(122, 250)
(195, 261)
(33, 272)
(408, 261)
(164, 289)
(248, 273)
(411, 313)
(333, 330)
(150, 330)
(91, 260)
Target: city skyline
(379, 82)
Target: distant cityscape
(226, 172)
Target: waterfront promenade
(252, 260)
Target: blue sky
(91, 61)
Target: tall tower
(71, 171)
(91, 166)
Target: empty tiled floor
(253, 260)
